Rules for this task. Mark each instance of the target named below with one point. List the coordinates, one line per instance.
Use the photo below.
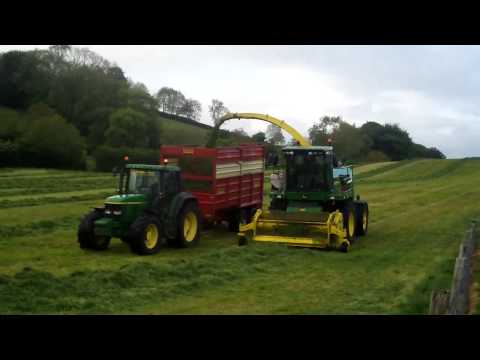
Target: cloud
(431, 91)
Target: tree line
(61, 104)
(372, 142)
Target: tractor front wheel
(362, 219)
(144, 235)
(86, 235)
(349, 221)
(188, 226)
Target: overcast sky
(431, 91)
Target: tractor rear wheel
(362, 219)
(188, 226)
(86, 235)
(144, 235)
(349, 222)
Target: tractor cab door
(169, 186)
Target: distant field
(419, 213)
(370, 167)
(175, 132)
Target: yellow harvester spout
(272, 120)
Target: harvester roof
(309, 148)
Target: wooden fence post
(458, 302)
(439, 302)
(459, 299)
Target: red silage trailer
(227, 181)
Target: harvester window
(306, 172)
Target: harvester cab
(310, 178)
(150, 206)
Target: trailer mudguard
(171, 220)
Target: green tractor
(150, 207)
(312, 203)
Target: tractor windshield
(306, 171)
(143, 181)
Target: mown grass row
(60, 198)
(34, 291)
(413, 171)
(413, 240)
(47, 185)
(38, 227)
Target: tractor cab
(149, 180)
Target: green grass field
(419, 212)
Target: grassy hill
(419, 213)
(175, 132)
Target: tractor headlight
(117, 212)
(108, 212)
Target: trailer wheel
(144, 235)
(86, 235)
(189, 226)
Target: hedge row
(107, 158)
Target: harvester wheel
(344, 247)
(144, 235)
(242, 240)
(189, 226)
(362, 218)
(244, 216)
(349, 221)
(86, 235)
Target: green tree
(217, 109)
(11, 124)
(275, 135)
(23, 79)
(52, 142)
(131, 128)
(421, 151)
(191, 108)
(259, 137)
(322, 130)
(389, 139)
(171, 101)
(99, 120)
(349, 142)
(240, 132)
